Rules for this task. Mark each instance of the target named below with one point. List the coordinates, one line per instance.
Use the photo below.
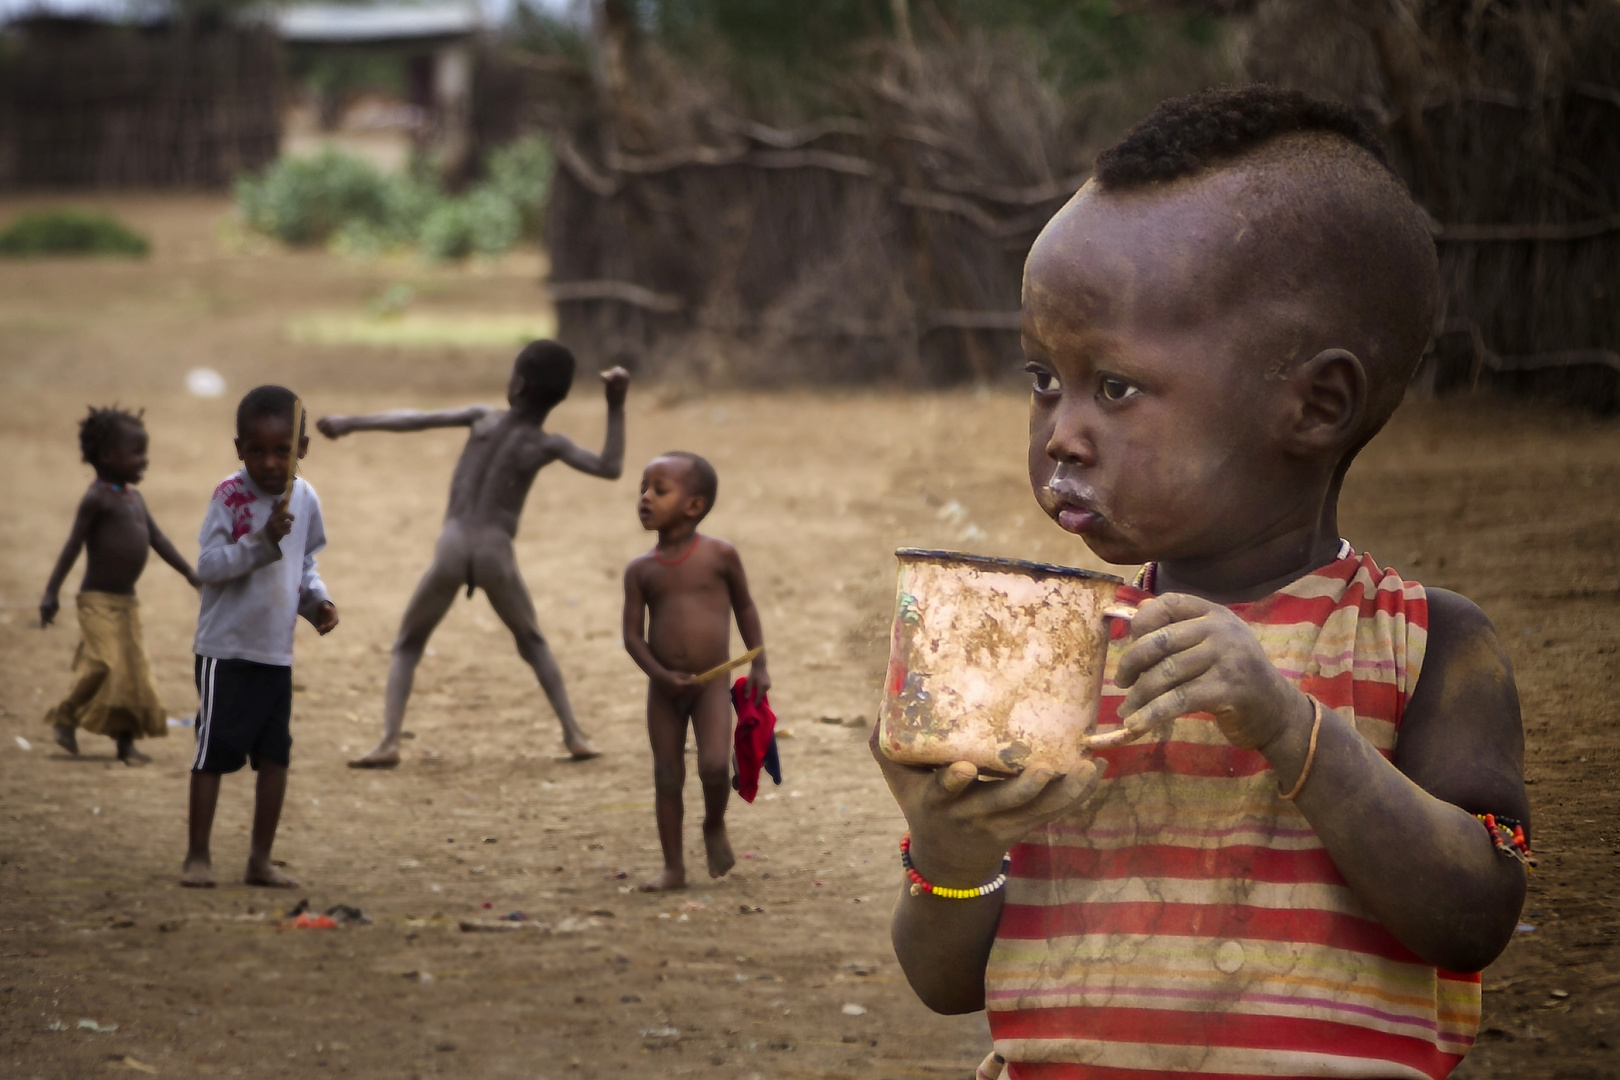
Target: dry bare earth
(1513, 507)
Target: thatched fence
(885, 241)
(118, 107)
(1505, 120)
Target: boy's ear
(238, 444)
(303, 445)
(1329, 394)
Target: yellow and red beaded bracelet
(920, 884)
(1508, 836)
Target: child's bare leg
(64, 718)
(711, 724)
(433, 597)
(197, 871)
(509, 596)
(666, 730)
(269, 792)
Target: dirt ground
(783, 969)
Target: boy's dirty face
(125, 461)
(266, 451)
(666, 498)
(1145, 341)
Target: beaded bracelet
(920, 884)
(1508, 836)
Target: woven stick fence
(113, 107)
(1504, 118)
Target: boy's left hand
(759, 681)
(616, 383)
(1190, 655)
(326, 618)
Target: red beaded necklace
(682, 557)
(1147, 578)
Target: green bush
(70, 232)
(521, 171)
(482, 221)
(307, 200)
(348, 203)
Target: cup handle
(1119, 736)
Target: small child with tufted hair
(1315, 835)
(112, 690)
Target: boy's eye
(1115, 389)
(1043, 381)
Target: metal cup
(998, 662)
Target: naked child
(505, 449)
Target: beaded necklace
(1147, 578)
(682, 557)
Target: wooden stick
(735, 662)
(292, 466)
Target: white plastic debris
(205, 382)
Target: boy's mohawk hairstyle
(1188, 134)
(98, 430)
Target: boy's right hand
(677, 684)
(333, 427)
(961, 829)
(48, 607)
(616, 383)
(280, 523)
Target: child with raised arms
(505, 449)
(679, 599)
(1320, 836)
(112, 691)
(256, 558)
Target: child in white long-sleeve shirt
(257, 563)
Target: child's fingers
(1161, 611)
(1059, 796)
(1157, 646)
(953, 779)
(1168, 673)
(1191, 696)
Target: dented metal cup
(998, 662)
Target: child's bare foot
(128, 754)
(264, 873)
(717, 845)
(580, 748)
(197, 873)
(384, 757)
(65, 738)
(667, 881)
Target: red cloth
(756, 728)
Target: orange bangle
(1310, 755)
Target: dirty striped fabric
(1189, 921)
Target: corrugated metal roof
(317, 23)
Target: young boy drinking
(505, 449)
(1319, 838)
(257, 562)
(678, 602)
(112, 690)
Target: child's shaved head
(547, 371)
(701, 479)
(1318, 222)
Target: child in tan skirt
(112, 691)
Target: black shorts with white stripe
(244, 713)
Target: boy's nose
(1071, 439)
